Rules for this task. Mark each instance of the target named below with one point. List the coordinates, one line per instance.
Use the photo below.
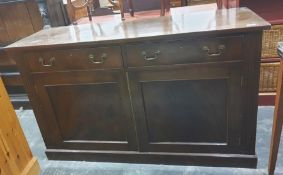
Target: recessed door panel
(86, 110)
(188, 109)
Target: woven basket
(270, 39)
(268, 77)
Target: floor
(265, 115)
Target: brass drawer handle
(150, 58)
(42, 62)
(221, 49)
(92, 58)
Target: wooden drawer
(185, 51)
(12, 79)
(5, 60)
(76, 59)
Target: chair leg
(184, 2)
(131, 8)
(121, 3)
(89, 13)
(276, 135)
(167, 5)
(277, 124)
(162, 7)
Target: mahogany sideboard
(179, 89)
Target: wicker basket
(270, 39)
(268, 77)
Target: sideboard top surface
(183, 20)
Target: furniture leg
(184, 2)
(167, 2)
(121, 3)
(162, 8)
(277, 123)
(131, 8)
(89, 13)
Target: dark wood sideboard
(18, 19)
(179, 89)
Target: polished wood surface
(176, 92)
(18, 19)
(183, 20)
(278, 118)
(15, 155)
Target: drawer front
(76, 59)
(185, 51)
(5, 60)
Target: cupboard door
(85, 110)
(192, 108)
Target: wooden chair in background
(227, 3)
(164, 6)
(278, 117)
(120, 5)
(78, 9)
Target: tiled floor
(265, 116)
